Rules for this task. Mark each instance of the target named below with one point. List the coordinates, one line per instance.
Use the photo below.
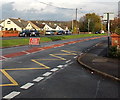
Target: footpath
(96, 60)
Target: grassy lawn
(25, 41)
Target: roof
(52, 24)
(38, 24)
(1, 21)
(21, 23)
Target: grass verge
(25, 41)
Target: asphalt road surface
(55, 73)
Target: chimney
(19, 20)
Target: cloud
(37, 10)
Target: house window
(11, 29)
(15, 29)
(6, 29)
(8, 22)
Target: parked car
(68, 32)
(28, 33)
(49, 32)
(60, 32)
(34, 33)
(97, 32)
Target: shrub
(114, 52)
(117, 31)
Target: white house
(29, 26)
(14, 24)
(47, 27)
(58, 28)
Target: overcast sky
(53, 9)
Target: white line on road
(4, 57)
(11, 95)
(66, 65)
(26, 86)
(54, 69)
(68, 61)
(75, 57)
(60, 66)
(47, 74)
(38, 79)
(26, 52)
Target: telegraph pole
(76, 21)
(76, 14)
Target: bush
(117, 31)
(113, 52)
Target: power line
(55, 6)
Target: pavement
(96, 60)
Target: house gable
(59, 28)
(29, 26)
(35, 25)
(10, 25)
(47, 27)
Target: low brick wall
(9, 33)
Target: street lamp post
(76, 19)
(88, 25)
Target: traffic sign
(111, 16)
(34, 41)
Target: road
(55, 73)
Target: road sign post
(107, 17)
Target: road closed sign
(34, 41)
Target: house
(38, 25)
(35, 25)
(15, 24)
(58, 28)
(1, 25)
(1, 28)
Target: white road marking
(4, 57)
(47, 74)
(38, 79)
(11, 95)
(26, 52)
(54, 69)
(26, 86)
(60, 66)
(81, 53)
(66, 65)
(68, 61)
(75, 57)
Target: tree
(115, 24)
(91, 20)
